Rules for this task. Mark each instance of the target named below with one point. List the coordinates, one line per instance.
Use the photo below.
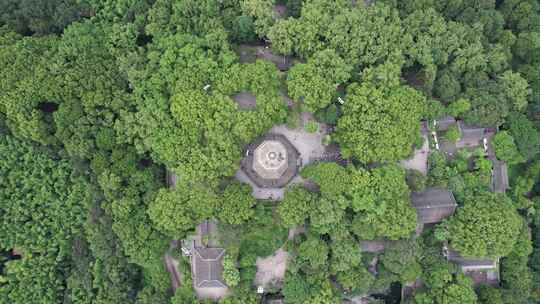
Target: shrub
(311, 126)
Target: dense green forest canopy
(99, 98)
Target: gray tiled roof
(433, 205)
(470, 263)
(444, 123)
(207, 268)
(471, 136)
(280, 170)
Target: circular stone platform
(271, 161)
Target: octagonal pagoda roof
(271, 161)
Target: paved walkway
(419, 161)
(271, 270)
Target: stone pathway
(271, 270)
(419, 161)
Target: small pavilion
(271, 161)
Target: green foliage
(42, 205)
(434, 110)
(344, 256)
(356, 280)
(516, 279)
(489, 295)
(453, 133)
(295, 288)
(402, 260)
(360, 36)
(416, 180)
(458, 107)
(263, 13)
(444, 285)
(231, 275)
(311, 126)
(29, 17)
(526, 136)
(379, 199)
(486, 226)
(175, 212)
(505, 148)
(184, 295)
(313, 254)
(92, 109)
(198, 133)
(516, 89)
(236, 205)
(295, 205)
(314, 83)
(379, 125)
(328, 115)
(382, 204)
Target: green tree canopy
(379, 125)
(486, 226)
(177, 211)
(236, 204)
(315, 82)
(295, 206)
(505, 148)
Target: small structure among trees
(482, 271)
(271, 161)
(470, 137)
(207, 267)
(433, 205)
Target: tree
(312, 126)
(332, 179)
(489, 295)
(505, 148)
(352, 34)
(175, 212)
(453, 133)
(402, 260)
(528, 46)
(416, 180)
(445, 286)
(344, 255)
(263, 13)
(282, 36)
(516, 89)
(26, 84)
(525, 134)
(458, 107)
(41, 18)
(230, 272)
(327, 214)
(379, 125)
(356, 280)
(313, 254)
(293, 210)
(42, 206)
(382, 204)
(486, 226)
(315, 82)
(295, 288)
(516, 279)
(236, 206)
